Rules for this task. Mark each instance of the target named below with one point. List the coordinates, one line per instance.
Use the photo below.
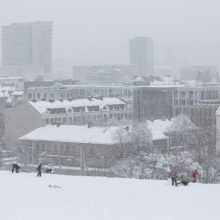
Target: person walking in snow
(195, 176)
(39, 170)
(173, 176)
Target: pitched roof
(93, 135)
(43, 106)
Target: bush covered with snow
(155, 166)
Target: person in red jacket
(195, 176)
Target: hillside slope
(26, 197)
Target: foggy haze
(185, 32)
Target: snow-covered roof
(93, 135)
(11, 78)
(161, 85)
(83, 86)
(73, 134)
(7, 91)
(42, 106)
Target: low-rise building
(77, 146)
(29, 115)
(104, 74)
(68, 145)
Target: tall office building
(27, 46)
(141, 55)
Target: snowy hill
(26, 197)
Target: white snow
(73, 134)
(26, 197)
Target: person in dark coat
(173, 176)
(15, 167)
(39, 170)
(49, 170)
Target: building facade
(79, 91)
(104, 74)
(27, 45)
(152, 102)
(185, 98)
(70, 146)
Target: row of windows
(67, 149)
(84, 119)
(77, 94)
(196, 94)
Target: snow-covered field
(26, 197)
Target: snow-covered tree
(184, 162)
(182, 132)
(181, 123)
(131, 140)
(155, 166)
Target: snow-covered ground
(26, 197)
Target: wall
(19, 121)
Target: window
(55, 149)
(37, 147)
(43, 147)
(67, 149)
(29, 95)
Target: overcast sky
(185, 32)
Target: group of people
(16, 168)
(183, 178)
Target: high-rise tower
(141, 55)
(27, 45)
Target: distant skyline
(185, 32)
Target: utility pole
(82, 162)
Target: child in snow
(39, 170)
(195, 176)
(173, 176)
